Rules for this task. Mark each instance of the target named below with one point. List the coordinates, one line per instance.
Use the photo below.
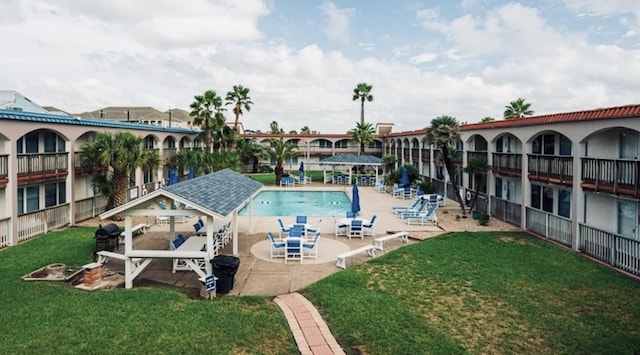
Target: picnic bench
(342, 258)
(104, 256)
(378, 242)
(137, 229)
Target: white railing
(5, 229)
(614, 249)
(550, 226)
(507, 211)
(33, 224)
(90, 207)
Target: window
(547, 199)
(28, 199)
(564, 203)
(149, 142)
(147, 176)
(323, 143)
(27, 144)
(498, 187)
(549, 144)
(342, 144)
(499, 144)
(565, 146)
(535, 196)
(376, 145)
(171, 143)
(54, 194)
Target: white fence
(5, 225)
(550, 226)
(614, 249)
(33, 224)
(90, 207)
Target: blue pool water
(293, 203)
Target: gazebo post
(235, 232)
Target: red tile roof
(590, 115)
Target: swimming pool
(292, 203)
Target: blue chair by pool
(350, 214)
(301, 219)
(283, 229)
(316, 228)
(277, 246)
(293, 249)
(310, 248)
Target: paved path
(309, 329)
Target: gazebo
(349, 161)
(215, 196)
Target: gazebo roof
(217, 194)
(352, 160)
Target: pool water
(293, 203)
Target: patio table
(196, 264)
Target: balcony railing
(550, 168)
(616, 250)
(550, 226)
(612, 175)
(477, 154)
(5, 229)
(507, 211)
(507, 164)
(39, 165)
(40, 222)
(426, 155)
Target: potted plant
(475, 214)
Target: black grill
(107, 236)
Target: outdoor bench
(104, 256)
(137, 229)
(378, 242)
(342, 258)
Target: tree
(487, 119)
(204, 108)
(239, 97)
(249, 150)
(478, 167)
(274, 128)
(388, 160)
(280, 151)
(517, 109)
(305, 130)
(362, 92)
(443, 133)
(362, 134)
(122, 153)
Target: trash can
(225, 268)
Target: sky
(301, 60)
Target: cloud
(338, 20)
(423, 58)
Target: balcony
(40, 166)
(83, 169)
(551, 168)
(616, 176)
(507, 164)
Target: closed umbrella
(355, 200)
(173, 177)
(404, 180)
(301, 169)
(192, 172)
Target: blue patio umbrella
(404, 180)
(355, 200)
(173, 177)
(192, 172)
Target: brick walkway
(309, 329)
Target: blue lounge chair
(416, 211)
(422, 218)
(415, 205)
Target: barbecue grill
(107, 235)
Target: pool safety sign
(210, 283)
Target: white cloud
(423, 58)
(338, 20)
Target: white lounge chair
(422, 218)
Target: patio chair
(316, 228)
(283, 229)
(178, 264)
(277, 246)
(284, 181)
(297, 231)
(341, 229)
(355, 229)
(350, 214)
(398, 192)
(422, 218)
(381, 186)
(198, 225)
(368, 229)
(293, 248)
(310, 248)
(301, 219)
(414, 211)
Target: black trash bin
(225, 268)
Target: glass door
(628, 219)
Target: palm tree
(305, 130)
(517, 109)
(478, 167)
(362, 92)
(275, 128)
(388, 160)
(204, 109)
(186, 158)
(239, 97)
(443, 133)
(122, 153)
(363, 134)
(280, 151)
(487, 119)
(249, 150)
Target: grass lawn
(53, 318)
(460, 293)
(481, 293)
